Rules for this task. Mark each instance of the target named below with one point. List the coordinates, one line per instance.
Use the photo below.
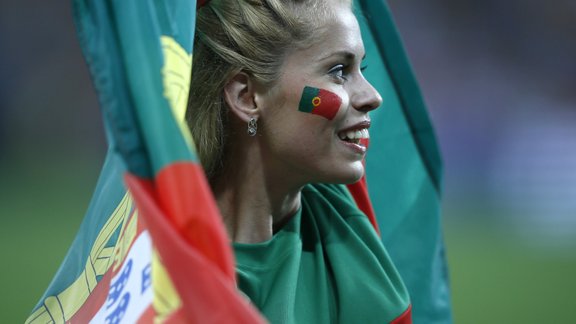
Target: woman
(279, 113)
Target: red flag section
(197, 255)
(405, 318)
(359, 191)
(185, 197)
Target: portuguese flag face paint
(319, 102)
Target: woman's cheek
(319, 102)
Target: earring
(252, 126)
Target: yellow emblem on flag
(66, 303)
(176, 74)
(166, 300)
(316, 101)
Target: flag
(319, 102)
(161, 250)
(158, 250)
(402, 188)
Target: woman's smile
(356, 137)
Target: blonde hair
(252, 36)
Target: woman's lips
(356, 131)
(358, 147)
(356, 137)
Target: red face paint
(320, 102)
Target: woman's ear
(239, 94)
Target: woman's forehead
(339, 37)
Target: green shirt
(326, 265)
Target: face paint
(319, 102)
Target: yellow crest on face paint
(316, 101)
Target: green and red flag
(319, 102)
(402, 186)
(158, 250)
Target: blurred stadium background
(499, 79)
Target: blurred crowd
(498, 77)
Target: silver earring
(252, 126)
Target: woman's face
(313, 122)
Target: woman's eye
(337, 72)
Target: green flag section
(319, 102)
(403, 169)
(159, 251)
(325, 265)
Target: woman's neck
(254, 201)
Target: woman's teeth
(354, 135)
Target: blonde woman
(279, 111)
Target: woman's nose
(366, 98)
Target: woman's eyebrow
(347, 55)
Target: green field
(495, 279)
(41, 207)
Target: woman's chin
(348, 176)
(355, 178)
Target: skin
(259, 189)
